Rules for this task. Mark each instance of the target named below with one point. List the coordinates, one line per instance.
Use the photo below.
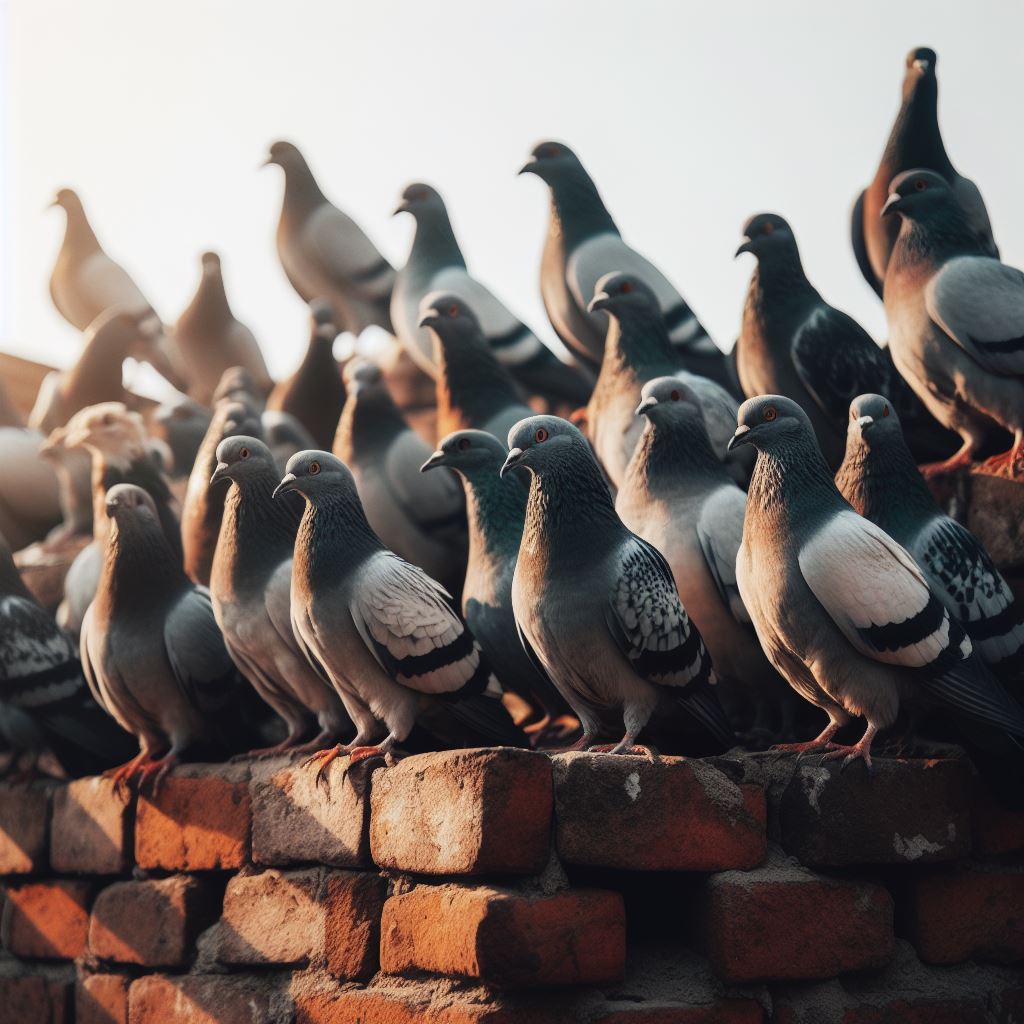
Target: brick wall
(501, 886)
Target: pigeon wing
(196, 651)
(720, 532)
(340, 247)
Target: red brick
(207, 999)
(782, 921)
(151, 923)
(971, 913)
(506, 938)
(199, 820)
(298, 917)
(24, 827)
(92, 828)
(47, 920)
(998, 832)
(674, 814)
(102, 999)
(465, 812)
(296, 821)
(35, 998)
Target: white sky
(689, 117)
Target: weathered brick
(467, 812)
(297, 917)
(24, 827)
(36, 998)
(151, 923)
(207, 999)
(296, 821)
(998, 832)
(46, 920)
(674, 814)
(966, 913)
(102, 999)
(724, 1011)
(506, 938)
(198, 821)
(92, 828)
(783, 921)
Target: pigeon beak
(266, 162)
(865, 421)
(599, 301)
(430, 318)
(530, 167)
(287, 484)
(220, 473)
(402, 207)
(745, 246)
(891, 204)
(514, 457)
(645, 406)
(51, 204)
(741, 436)
(435, 460)
(922, 65)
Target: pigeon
(880, 480)
(181, 424)
(496, 509)
(251, 593)
(203, 508)
(421, 517)
(151, 650)
(86, 282)
(637, 350)
(678, 496)
(211, 340)
(595, 604)
(29, 491)
(314, 394)
(582, 245)
(474, 390)
(382, 631)
(436, 264)
(842, 610)
(325, 254)
(956, 322)
(74, 480)
(915, 141)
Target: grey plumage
(181, 424)
(596, 604)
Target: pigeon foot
(962, 458)
(858, 752)
(156, 770)
(820, 742)
(323, 758)
(1008, 464)
(624, 748)
(121, 775)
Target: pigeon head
(235, 382)
(210, 262)
(316, 474)
(539, 442)
(917, 193)
(448, 314)
(766, 233)
(284, 155)
(68, 200)
(872, 418)
(418, 199)
(618, 294)
(550, 161)
(322, 314)
(469, 452)
(241, 456)
(666, 399)
(769, 421)
(128, 503)
(109, 429)
(920, 62)
(362, 376)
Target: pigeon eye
(627, 287)
(550, 151)
(770, 413)
(920, 184)
(453, 309)
(541, 435)
(768, 228)
(675, 396)
(108, 420)
(464, 443)
(885, 410)
(314, 468)
(243, 453)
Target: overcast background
(689, 117)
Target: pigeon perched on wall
(595, 604)
(325, 253)
(211, 340)
(637, 350)
(314, 394)
(582, 245)
(677, 496)
(495, 509)
(956, 321)
(842, 610)
(915, 141)
(474, 390)
(436, 264)
(880, 480)
(251, 593)
(151, 649)
(383, 632)
(421, 517)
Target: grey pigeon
(421, 517)
(880, 480)
(842, 610)
(211, 340)
(915, 141)
(151, 649)
(181, 424)
(583, 244)
(956, 321)
(677, 495)
(203, 508)
(474, 390)
(436, 264)
(595, 604)
(251, 593)
(637, 350)
(380, 630)
(325, 253)
(496, 509)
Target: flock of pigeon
(272, 565)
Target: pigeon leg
(324, 738)
(384, 748)
(820, 742)
(861, 750)
(156, 770)
(958, 460)
(123, 773)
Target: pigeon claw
(623, 748)
(155, 771)
(858, 752)
(323, 758)
(357, 754)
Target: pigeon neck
(369, 422)
(471, 381)
(97, 375)
(915, 140)
(139, 570)
(78, 232)
(577, 210)
(210, 303)
(434, 243)
(495, 510)
(671, 456)
(935, 240)
(639, 341)
(302, 194)
(333, 538)
(780, 275)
